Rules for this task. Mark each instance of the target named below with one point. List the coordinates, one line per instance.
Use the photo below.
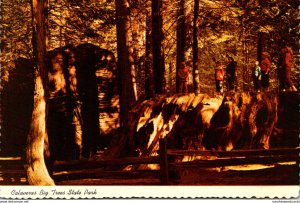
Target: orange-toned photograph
(149, 93)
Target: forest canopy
(231, 27)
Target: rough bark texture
(233, 121)
(37, 173)
(36, 169)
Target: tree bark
(37, 172)
(134, 51)
(127, 96)
(260, 44)
(134, 24)
(149, 82)
(200, 122)
(181, 39)
(158, 68)
(195, 49)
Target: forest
(88, 81)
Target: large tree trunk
(260, 45)
(195, 49)
(198, 122)
(149, 82)
(127, 96)
(158, 67)
(37, 172)
(181, 38)
(134, 24)
(133, 45)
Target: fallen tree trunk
(200, 122)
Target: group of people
(229, 72)
(260, 73)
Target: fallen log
(233, 121)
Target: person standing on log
(256, 75)
(286, 63)
(183, 75)
(219, 76)
(265, 69)
(230, 73)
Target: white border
(98, 192)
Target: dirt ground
(278, 174)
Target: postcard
(149, 99)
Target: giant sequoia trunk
(37, 173)
(198, 122)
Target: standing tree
(260, 45)
(181, 38)
(37, 172)
(158, 66)
(127, 96)
(149, 88)
(195, 48)
(134, 48)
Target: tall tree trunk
(134, 50)
(181, 39)
(134, 25)
(127, 96)
(260, 44)
(149, 82)
(158, 68)
(195, 48)
(37, 172)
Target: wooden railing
(165, 157)
(223, 158)
(165, 160)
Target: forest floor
(275, 174)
